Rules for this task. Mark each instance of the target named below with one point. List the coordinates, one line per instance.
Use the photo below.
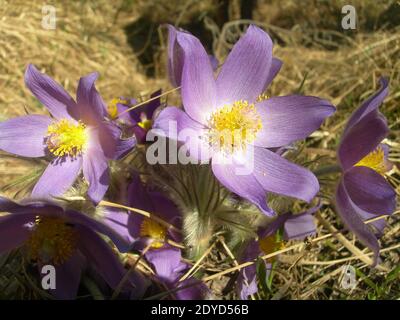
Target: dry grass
(340, 66)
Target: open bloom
(236, 126)
(76, 137)
(363, 192)
(137, 121)
(67, 240)
(295, 227)
(143, 232)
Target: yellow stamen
(112, 108)
(233, 127)
(374, 160)
(155, 231)
(51, 241)
(262, 97)
(145, 124)
(66, 138)
(269, 245)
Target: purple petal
(91, 106)
(95, 171)
(58, 177)
(50, 93)
(25, 136)
(370, 105)
(350, 214)
(278, 175)
(276, 65)
(165, 262)
(140, 134)
(246, 69)
(370, 191)
(106, 137)
(120, 222)
(198, 83)
(245, 186)
(68, 276)
(102, 226)
(247, 280)
(299, 226)
(175, 57)
(123, 147)
(386, 150)
(12, 231)
(362, 139)
(378, 225)
(197, 290)
(290, 118)
(101, 257)
(177, 125)
(29, 206)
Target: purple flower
(138, 230)
(230, 116)
(295, 227)
(137, 121)
(363, 192)
(66, 239)
(142, 232)
(76, 137)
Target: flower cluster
(103, 197)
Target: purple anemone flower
(143, 232)
(68, 240)
(235, 126)
(137, 121)
(138, 230)
(363, 192)
(76, 137)
(295, 227)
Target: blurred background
(125, 41)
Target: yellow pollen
(374, 160)
(51, 241)
(262, 97)
(66, 138)
(233, 127)
(269, 245)
(155, 231)
(112, 108)
(145, 124)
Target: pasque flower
(233, 120)
(295, 227)
(68, 240)
(76, 137)
(137, 121)
(144, 232)
(363, 192)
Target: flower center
(233, 127)
(66, 138)
(374, 160)
(269, 245)
(52, 240)
(155, 231)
